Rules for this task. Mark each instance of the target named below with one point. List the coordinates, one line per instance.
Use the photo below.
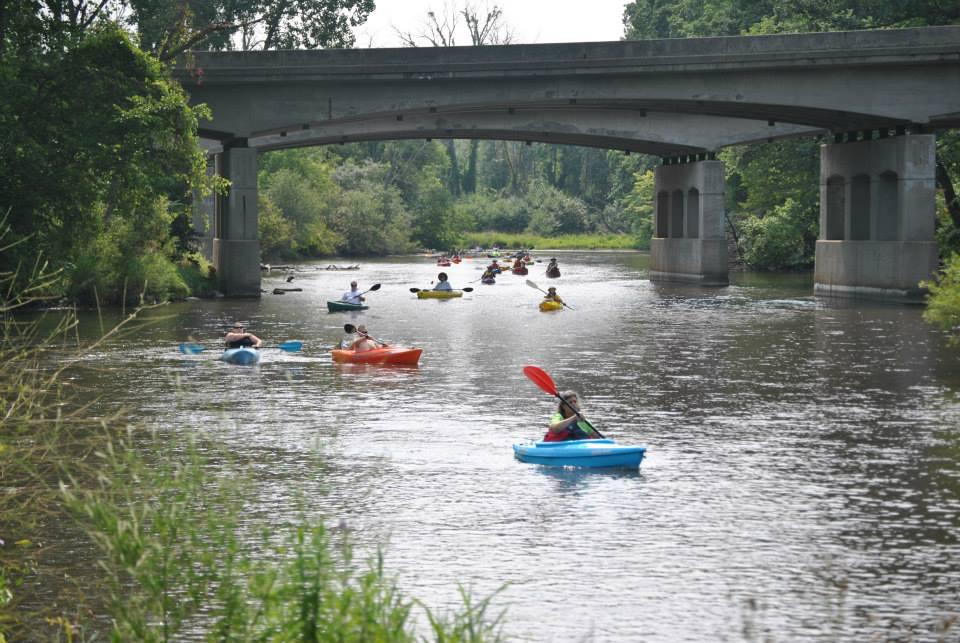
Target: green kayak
(342, 306)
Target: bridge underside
(639, 131)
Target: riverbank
(491, 239)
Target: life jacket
(240, 343)
(579, 430)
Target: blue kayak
(580, 453)
(243, 355)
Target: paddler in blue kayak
(566, 424)
(237, 337)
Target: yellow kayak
(439, 294)
(550, 305)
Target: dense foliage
(391, 197)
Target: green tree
(370, 215)
(554, 212)
(168, 28)
(97, 138)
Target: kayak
(243, 355)
(340, 306)
(489, 281)
(550, 305)
(439, 294)
(519, 271)
(443, 264)
(553, 274)
(380, 355)
(580, 453)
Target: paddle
(533, 285)
(372, 288)
(540, 377)
(350, 329)
(292, 346)
(467, 289)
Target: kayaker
(488, 276)
(552, 295)
(442, 283)
(565, 425)
(494, 267)
(237, 337)
(363, 342)
(553, 270)
(353, 295)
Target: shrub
(943, 300)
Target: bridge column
(236, 244)
(688, 242)
(877, 216)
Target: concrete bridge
(877, 96)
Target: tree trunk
(949, 194)
(453, 181)
(470, 176)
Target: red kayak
(381, 355)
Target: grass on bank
(564, 242)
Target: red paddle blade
(539, 377)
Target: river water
(801, 479)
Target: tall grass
(563, 242)
(180, 561)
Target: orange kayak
(381, 355)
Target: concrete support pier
(688, 242)
(236, 243)
(877, 216)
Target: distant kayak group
(570, 440)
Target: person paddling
(353, 296)
(442, 283)
(566, 424)
(363, 342)
(237, 337)
(553, 270)
(552, 295)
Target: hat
(362, 329)
(238, 325)
(552, 289)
